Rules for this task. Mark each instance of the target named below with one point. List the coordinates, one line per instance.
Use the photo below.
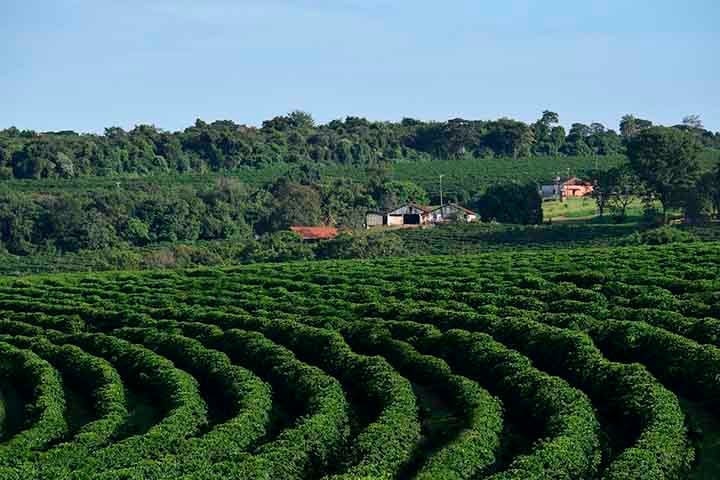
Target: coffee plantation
(555, 363)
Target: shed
(374, 219)
(410, 214)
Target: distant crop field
(464, 175)
(461, 177)
(476, 174)
(564, 363)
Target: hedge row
(689, 367)
(703, 330)
(630, 389)
(247, 399)
(12, 327)
(86, 373)
(388, 441)
(63, 323)
(473, 450)
(310, 445)
(568, 446)
(175, 391)
(38, 382)
(626, 391)
(315, 440)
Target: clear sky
(88, 64)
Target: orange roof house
(574, 187)
(569, 187)
(315, 233)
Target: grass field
(572, 363)
(585, 208)
(569, 208)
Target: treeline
(295, 139)
(33, 223)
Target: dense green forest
(295, 138)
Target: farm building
(413, 214)
(452, 212)
(570, 187)
(410, 214)
(374, 219)
(315, 233)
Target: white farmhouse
(410, 214)
(414, 214)
(452, 212)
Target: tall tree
(547, 141)
(510, 203)
(692, 121)
(576, 141)
(604, 182)
(394, 193)
(460, 136)
(557, 139)
(295, 204)
(666, 160)
(631, 125)
(17, 223)
(509, 137)
(626, 187)
(700, 201)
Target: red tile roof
(315, 233)
(575, 181)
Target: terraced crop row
(561, 364)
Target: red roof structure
(315, 233)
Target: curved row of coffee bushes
(37, 381)
(323, 370)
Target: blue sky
(88, 64)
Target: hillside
(572, 363)
(461, 176)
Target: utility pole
(441, 191)
(557, 193)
